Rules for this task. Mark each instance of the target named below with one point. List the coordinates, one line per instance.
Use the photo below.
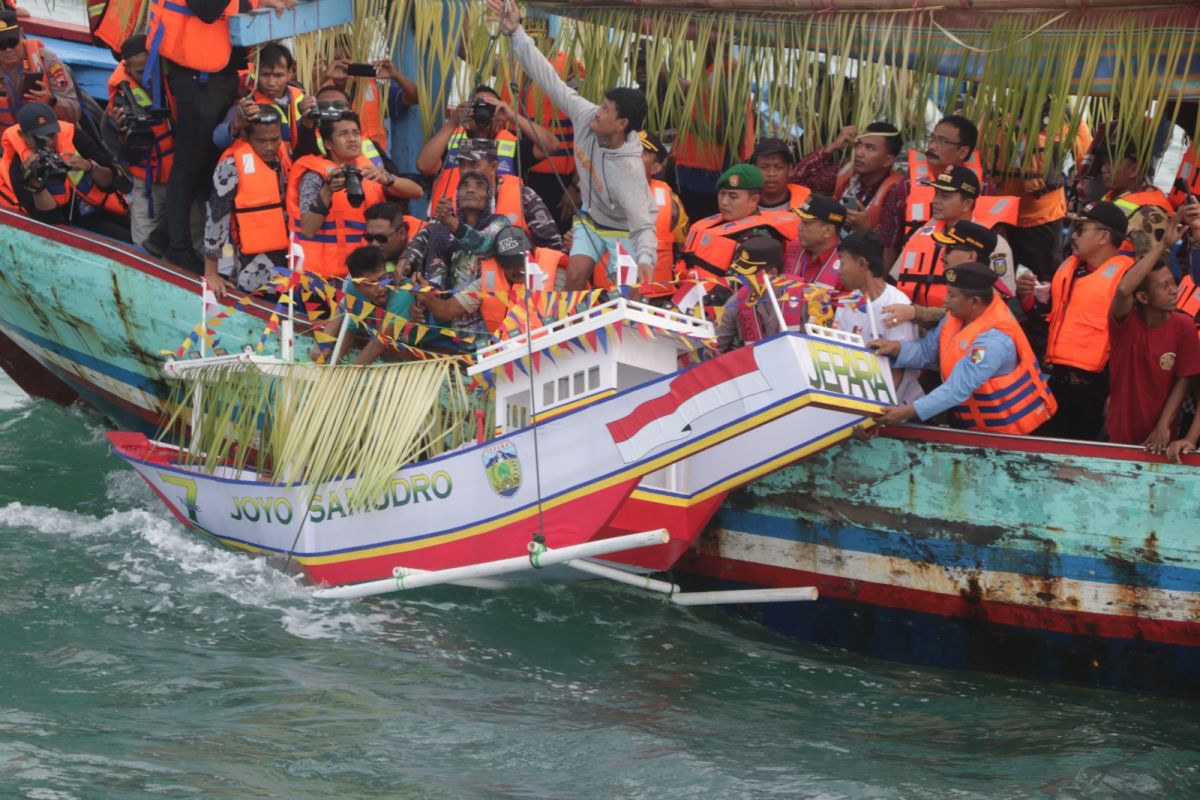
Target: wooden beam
(262, 26)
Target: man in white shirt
(862, 272)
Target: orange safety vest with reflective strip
(1079, 313)
(921, 265)
(112, 23)
(290, 116)
(920, 193)
(184, 39)
(31, 63)
(692, 151)
(558, 123)
(158, 161)
(1189, 300)
(260, 220)
(79, 183)
(342, 231)
(1018, 402)
(1130, 202)
(712, 241)
(446, 184)
(1189, 170)
(494, 307)
(371, 118)
(875, 207)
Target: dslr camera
(354, 187)
(47, 167)
(139, 120)
(482, 112)
(325, 112)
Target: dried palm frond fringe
(304, 423)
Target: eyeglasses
(1079, 230)
(9, 44)
(942, 141)
(378, 238)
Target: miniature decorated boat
(324, 466)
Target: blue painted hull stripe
(963, 555)
(85, 360)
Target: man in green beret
(991, 380)
(710, 245)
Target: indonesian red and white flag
(627, 268)
(689, 295)
(697, 392)
(535, 276)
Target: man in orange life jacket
(246, 231)
(951, 143)
(749, 315)
(325, 214)
(390, 229)
(71, 190)
(990, 376)
(711, 242)
(920, 266)
(271, 90)
(1128, 186)
(774, 160)
(1077, 345)
(364, 92)
(21, 56)
(813, 256)
(148, 155)
(523, 207)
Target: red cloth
(1143, 365)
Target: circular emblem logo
(734, 180)
(951, 276)
(1167, 362)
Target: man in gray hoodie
(617, 205)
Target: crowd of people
(231, 165)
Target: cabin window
(593, 378)
(564, 388)
(547, 393)
(578, 379)
(517, 416)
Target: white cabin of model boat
(584, 373)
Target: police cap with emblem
(741, 176)
(823, 209)
(757, 253)
(957, 179)
(971, 276)
(10, 30)
(653, 145)
(512, 245)
(1109, 215)
(37, 119)
(968, 235)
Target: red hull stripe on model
(875, 594)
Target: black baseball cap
(757, 253)
(1107, 214)
(971, 235)
(825, 209)
(773, 146)
(957, 179)
(37, 119)
(972, 275)
(512, 245)
(10, 29)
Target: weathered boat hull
(1051, 560)
(95, 315)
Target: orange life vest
(712, 241)
(326, 250)
(370, 113)
(260, 220)
(180, 36)
(446, 184)
(78, 183)
(920, 193)
(1079, 313)
(1018, 402)
(494, 307)
(875, 207)
(1189, 170)
(112, 23)
(1189, 300)
(557, 122)
(1035, 209)
(664, 231)
(290, 116)
(697, 153)
(921, 265)
(31, 63)
(155, 167)
(1130, 202)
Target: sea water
(139, 660)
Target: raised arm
(1122, 302)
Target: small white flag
(535, 276)
(627, 268)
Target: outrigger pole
(681, 598)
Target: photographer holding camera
(43, 172)
(485, 117)
(271, 91)
(328, 195)
(246, 230)
(145, 145)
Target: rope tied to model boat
(300, 423)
